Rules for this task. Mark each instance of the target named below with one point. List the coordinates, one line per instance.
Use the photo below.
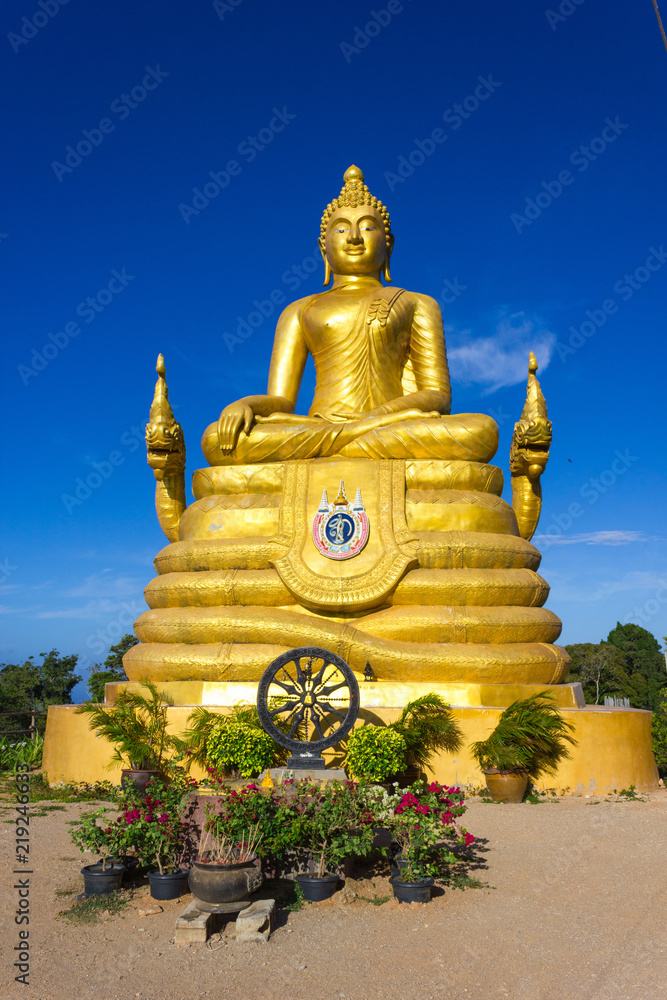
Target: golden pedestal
(444, 591)
(445, 596)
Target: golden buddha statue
(418, 569)
(382, 386)
(437, 581)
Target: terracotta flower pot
(506, 786)
(138, 778)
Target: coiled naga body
(428, 575)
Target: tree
(643, 663)
(30, 687)
(659, 733)
(111, 670)
(600, 669)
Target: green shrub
(237, 747)
(19, 754)
(375, 753)
(659, 732)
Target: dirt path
(577, 909)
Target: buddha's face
(356, 241)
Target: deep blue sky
(72, 575)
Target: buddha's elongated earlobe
(385, 269)
(327, 267)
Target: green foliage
(98, 833)
(137, 726)
(375, 753)
(95, 908)
(237, 748)
(15, 754)
(531, 735)
(627, 664)
(335, 823)
(112, 668)
(427, 726)
(659, 733)
(643, 661)
(31, 687)
(236, 812)
(98, 791)
(153, 826)
(600, 669)
(202, 723)
(420, 819)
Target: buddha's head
(355, 232)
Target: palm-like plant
(427, 725)
(137, 726)
(531, 736)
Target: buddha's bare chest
(331, 319)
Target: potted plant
(427, 726)
(336, 824)
(530, 739)
(242, 826)
(97, 833)
(375, 753)
(136, 724)
(156, 833)
(233, 745)
(420, 820)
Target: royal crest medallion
(340, 529)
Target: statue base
(614, 747)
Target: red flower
(469, 839)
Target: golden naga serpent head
(164, 435)
(529, 451)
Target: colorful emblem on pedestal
(340, 529)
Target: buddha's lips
(355, 251)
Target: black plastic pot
(168, 885)
(397, 864)
(418, 891)
(315, 888)
(98, 881)
(224, 883)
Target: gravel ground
(574, 907)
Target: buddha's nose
(354, 236)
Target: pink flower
(469, 839)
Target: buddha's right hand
(233, 418)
